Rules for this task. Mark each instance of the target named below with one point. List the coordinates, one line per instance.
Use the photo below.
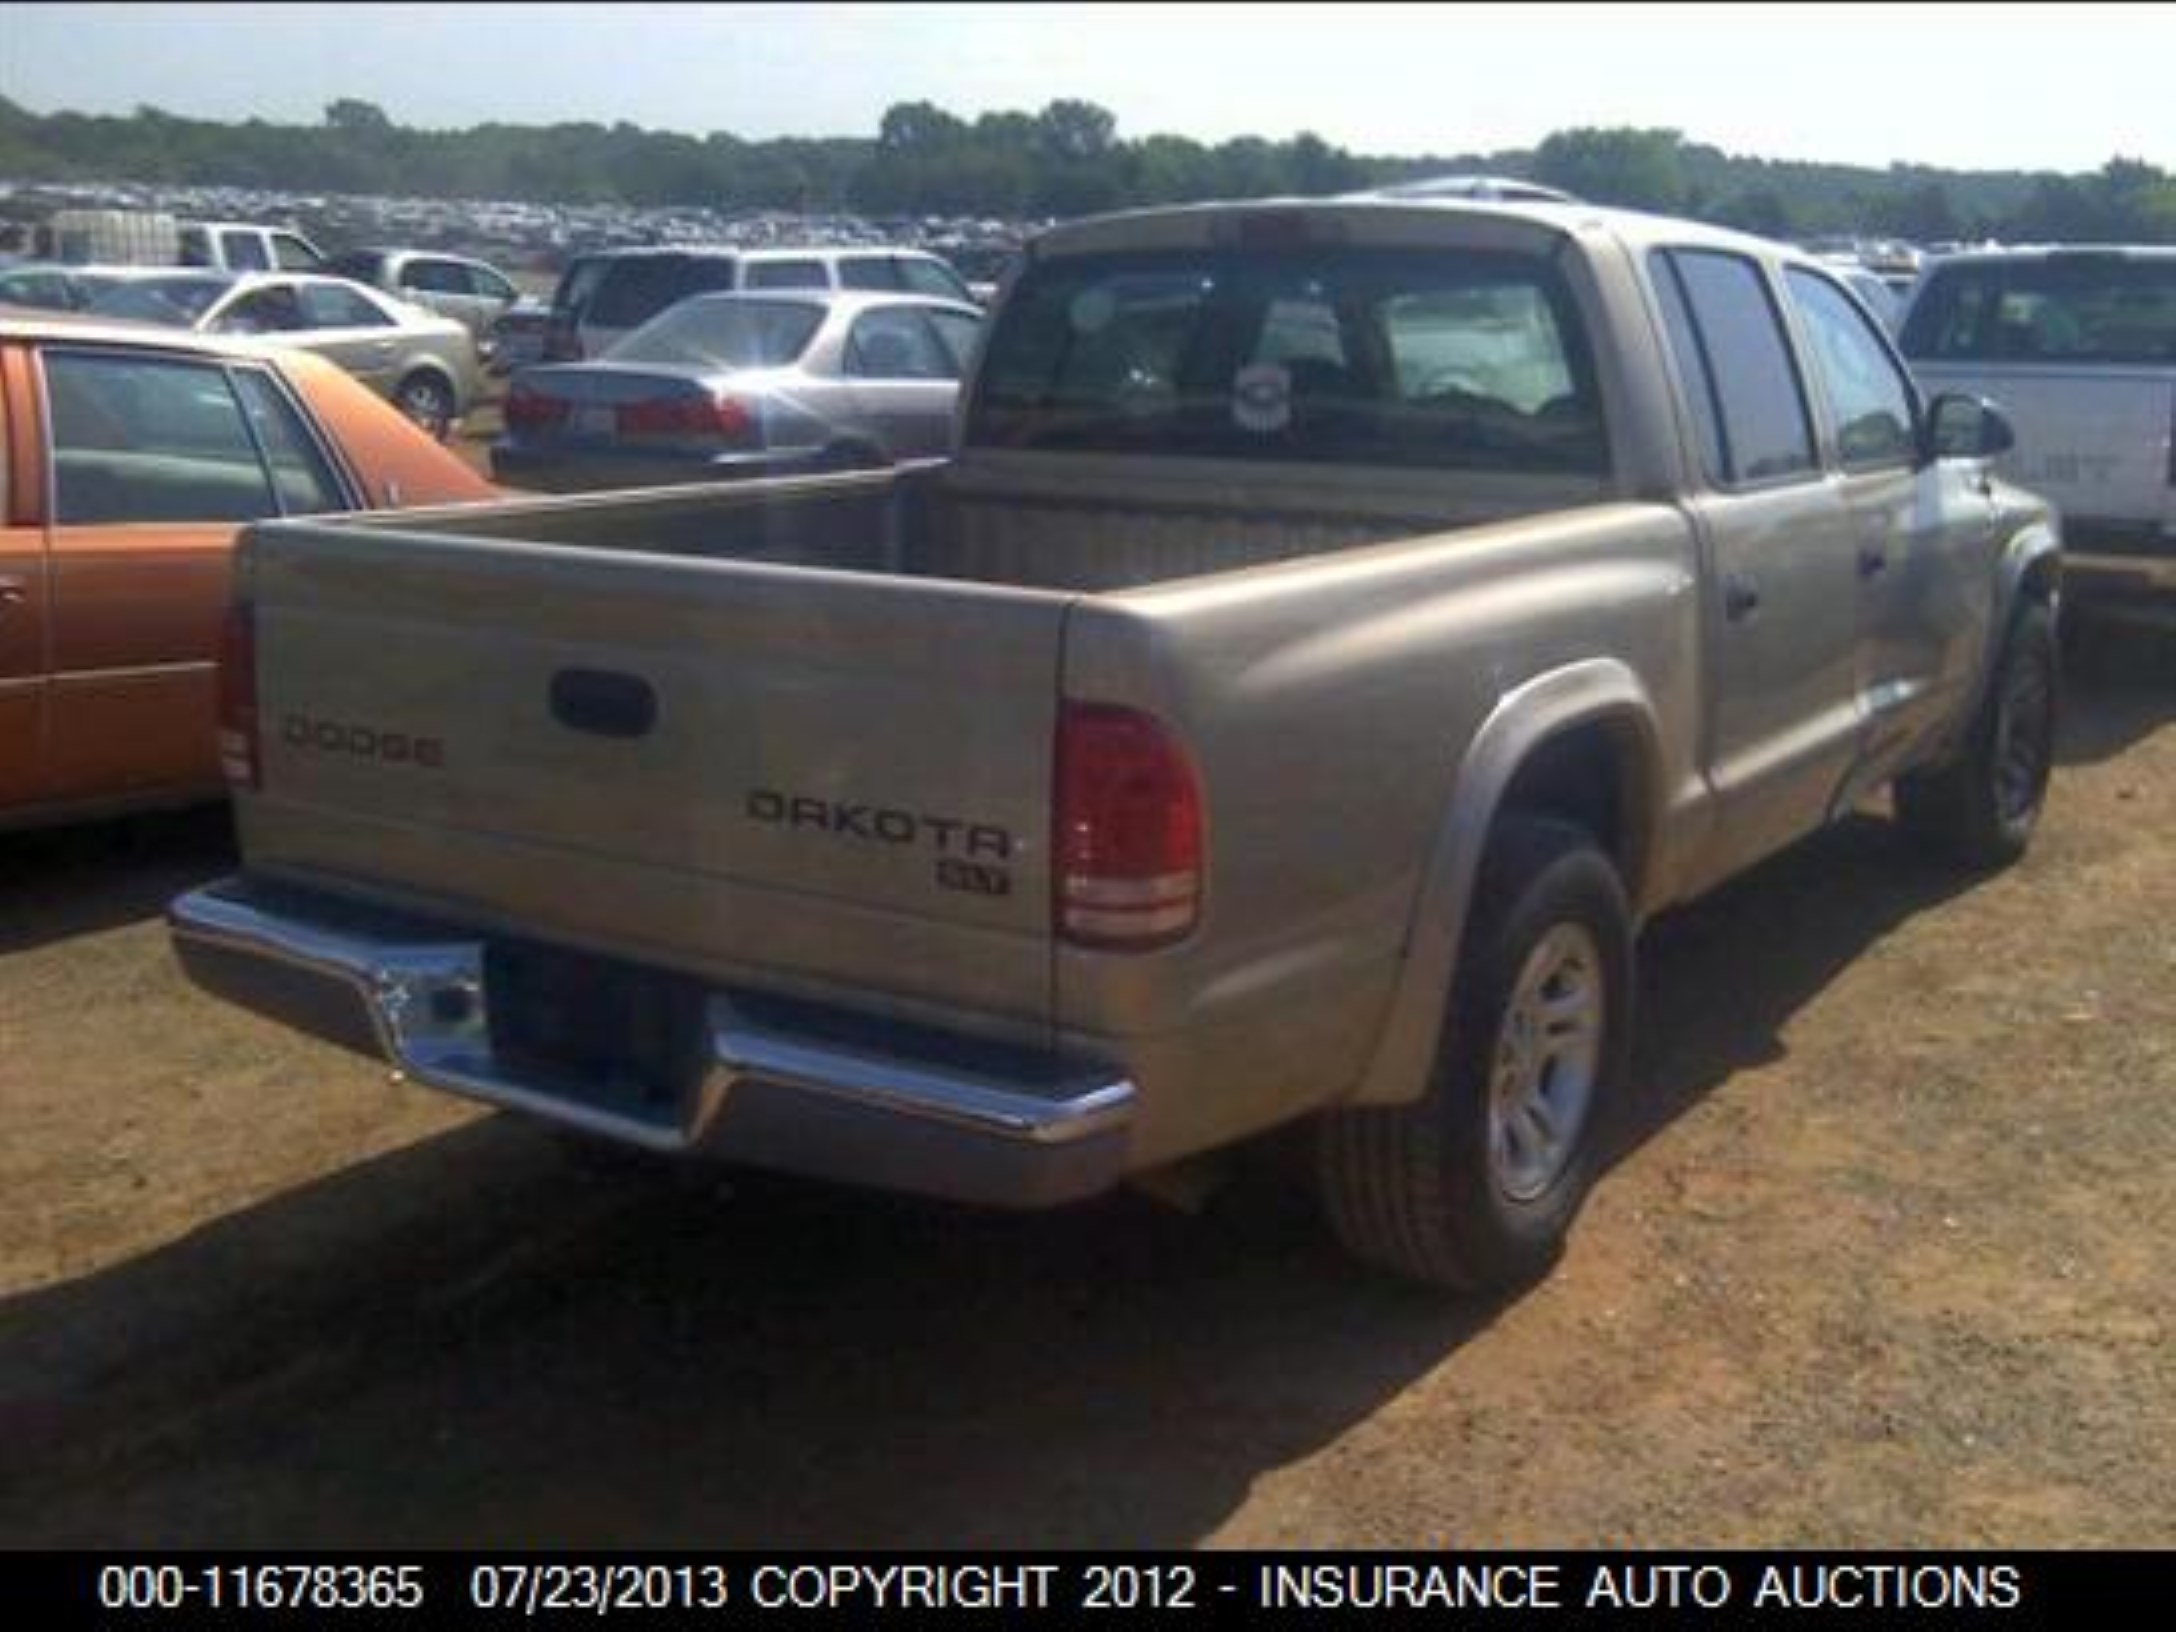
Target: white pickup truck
(2078, 346)
(1342, 626)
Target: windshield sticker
(1262, 398)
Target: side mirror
(1966, 427)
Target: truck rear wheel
(1980, 810)
(1475, 1185)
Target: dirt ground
(1885, 1261)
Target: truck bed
(1043, 530)
(840, 682)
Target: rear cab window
(2079, 307)
(1459, 359)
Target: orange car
(128, 459)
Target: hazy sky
(1975, 86)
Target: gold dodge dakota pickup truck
(1340, 628)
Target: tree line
(1067, 159)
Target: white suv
(2078, 346)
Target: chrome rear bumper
(785, 1086)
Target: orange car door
(154, 468)
(22, 590)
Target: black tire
(427, 400)
(1435, 1191)
(1979, 811)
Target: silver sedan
(738, 384)
(424, 364)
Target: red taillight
(529, 410)
(238, 757)
(1127, 840)
(684, 416)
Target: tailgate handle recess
(602, 703)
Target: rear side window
(2079, 308)
(959, 332)
(305, 482)
(895, 343)
(869, 272)
(636, 289)
(328, 306)
(927, 277)
(434, 277)
(1754, 423)
(294, 255)
(272, 310)
(578, 283)
(196, 247)
(150, 440)
(1461, 359)
(244, 251)
(786, 275)
(483, 281)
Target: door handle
(13, 592)
(1741, 596)
(1873, 560)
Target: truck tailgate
(2095, 443)
(808, 778)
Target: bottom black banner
(163, 1589)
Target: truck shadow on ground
(57, 883)
(2119, 685)
(471, 1342)
(1721, 977)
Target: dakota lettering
(881, 824)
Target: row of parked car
(427, 365)
(172, 404)
(852, 382)
(693, 364)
